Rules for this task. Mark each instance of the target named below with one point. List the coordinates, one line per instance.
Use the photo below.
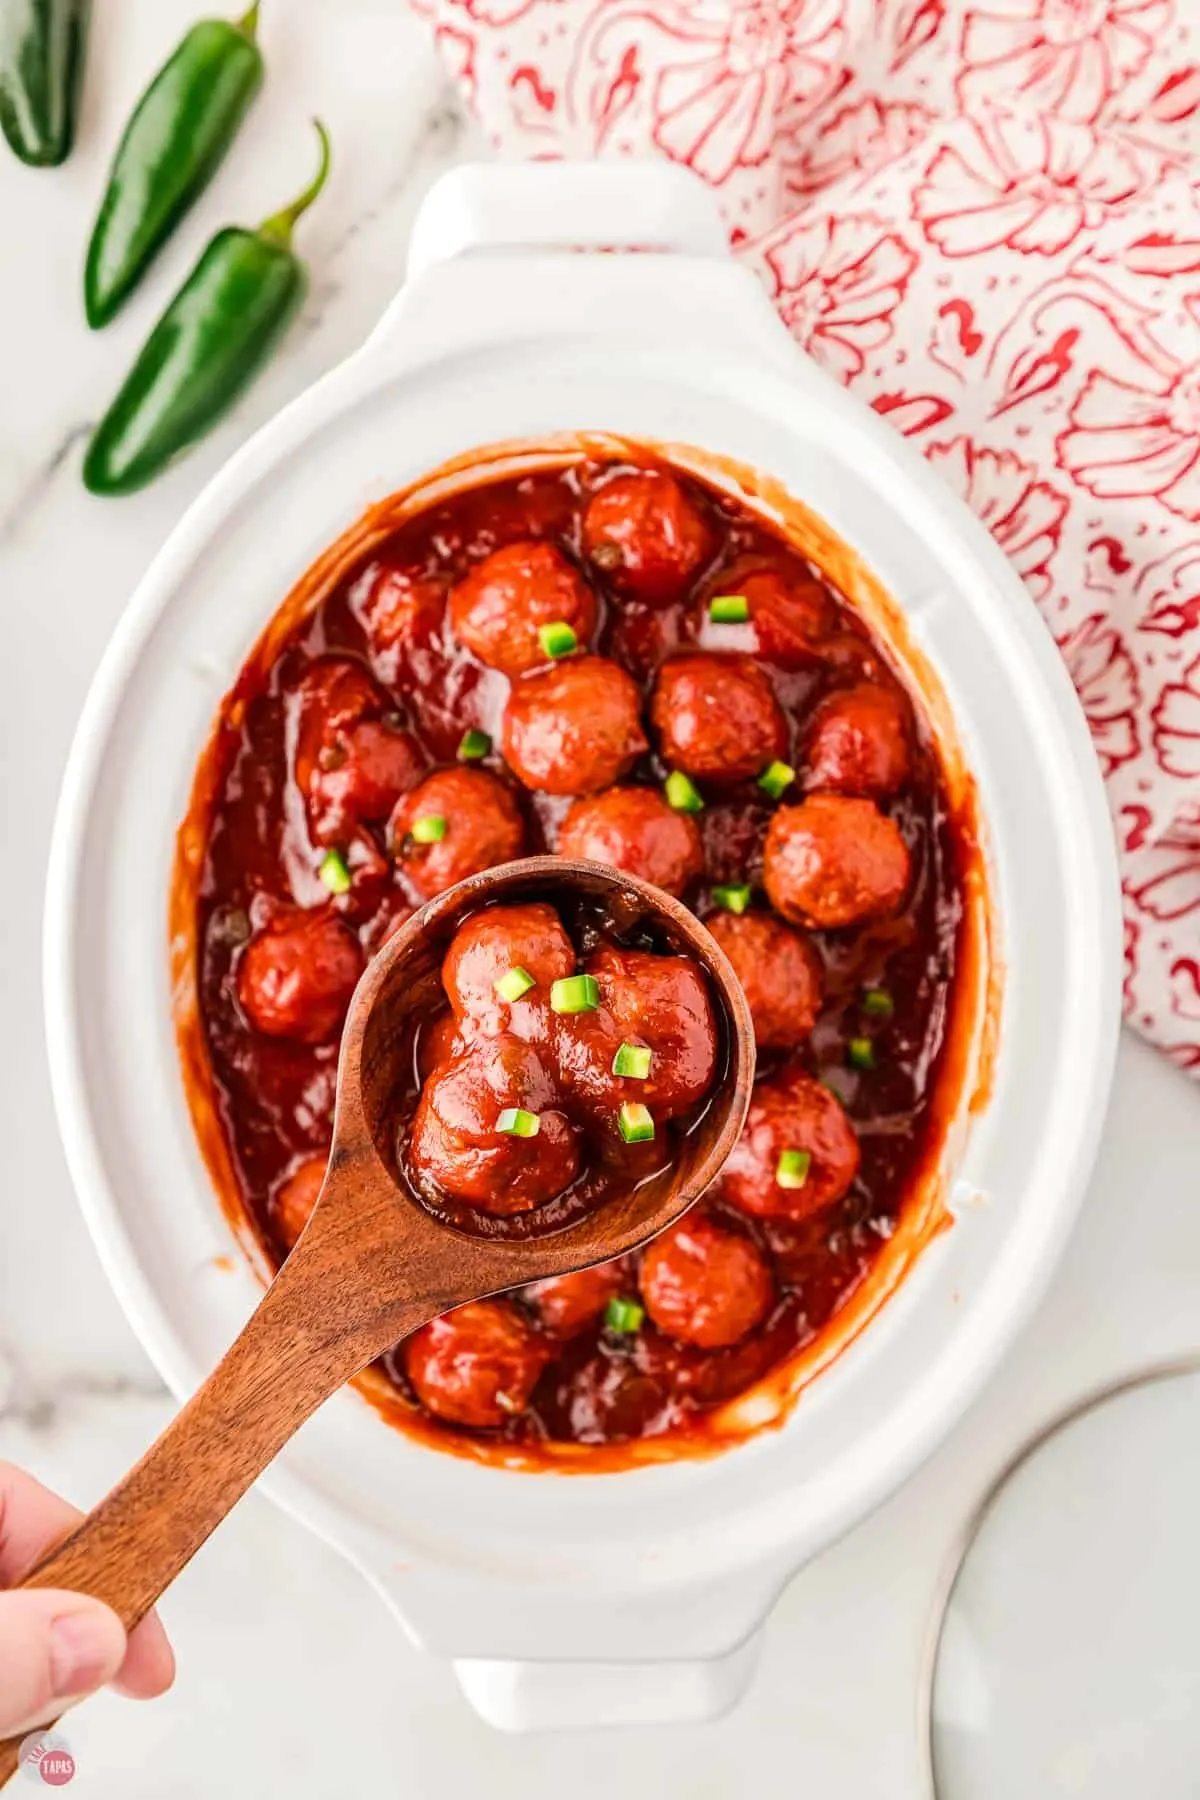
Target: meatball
(660, 1002)
(567, 1304)
(481, 826)
(573, 728)
(457, 1145)
(295, 978)
(780, 973)
(400, 610)
(496, 609)
(477, 1365)
(294, 1200)
(857, 742)
(834, 861)
(439, 1042)
(364, 777)
(789, 617)
(791, 1112)
(634, 829)
(704, 1284)
(351, 763)
(646, 535)
(501, 938)
(717, 716)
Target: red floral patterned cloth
(983, 215)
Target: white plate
(1069, 1660)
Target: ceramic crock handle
(581, 1696)
(492, 261)
(566, 206)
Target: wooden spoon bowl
(373, 1263)
(403, 983)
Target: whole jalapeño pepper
(211, 341)
(42, 48)
(173, 145)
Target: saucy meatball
(293, 1203)
(646, 536)
(791, 1113)
(400, 611)
(833, 861)
(780, 974)
(717, 716)
(295, 977)
(789, 616)
(704, 1284)
(857, 742)
(660, 1002)
(477, 1365)
(457, 1144)
(567, 1304)
(573, 728)
(352, 764)
(455, 824)
(485, 948)
(439, 1042)
(634, 829)
(497, 609)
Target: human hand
(57, 1646)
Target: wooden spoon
(373, 1264)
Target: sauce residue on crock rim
(963, 1084)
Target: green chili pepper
(173, 145)
(42, 47)
(214, 336)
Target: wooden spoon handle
(292, 1354)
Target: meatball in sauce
(717, 716)
(646, 536)
(574, 728)
(834, 861)
(637, 830)
(517, 603)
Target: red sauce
(263, 1103)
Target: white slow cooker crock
(636, 1596)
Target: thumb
(54, 1648)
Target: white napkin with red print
(984, 216)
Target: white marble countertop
(293, 1679)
